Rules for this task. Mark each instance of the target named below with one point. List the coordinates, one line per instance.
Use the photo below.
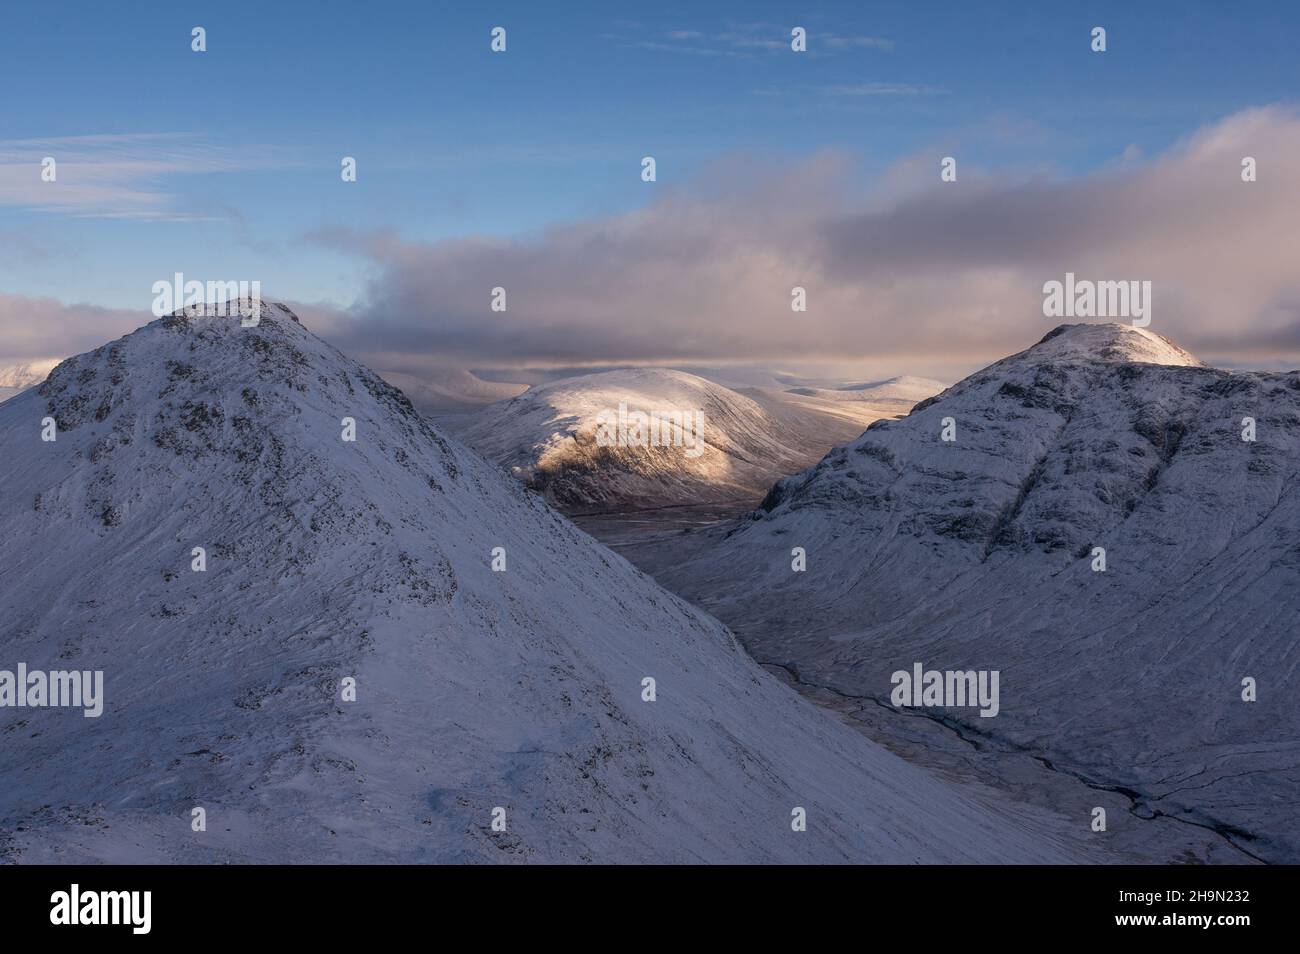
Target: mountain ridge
(372, 560)
(549, 437)
(979, 551)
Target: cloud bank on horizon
(914, 274)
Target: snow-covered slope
(370, 559)
(16, 378)
(1107, 343)
(451, 390)
(978, 554)
(906, 388)
(547, 437)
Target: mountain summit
(1107, 522)
(335, 635)
(721, 446)
(1108, 342)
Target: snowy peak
(238, 308)
(661, 384)
(1109, 342)
(202, 378)
(565, 438)
(1102, 519)
(26, 373)
(235, 522)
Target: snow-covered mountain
(981, 553)
(905, 388)
(371, 559)
(16, 378)
(451, 390)
(550, 438)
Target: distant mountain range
(447, 391)
(16, 378)
(549, 437)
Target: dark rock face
(326, 559)
(979, 553)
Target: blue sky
(226, 163)
(454, 140)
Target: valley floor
(655, 540)
(634, 529)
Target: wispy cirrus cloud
(745, 40)
(880, 89)
(852, 91)
(124, 176)
(839, 42)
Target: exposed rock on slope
(328, 559)
(978, 554)
(548, 438)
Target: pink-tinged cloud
(916, 276)
(44, 328)
(920, 274)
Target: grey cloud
(38, 328)
(914, 276)
(928, 274)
